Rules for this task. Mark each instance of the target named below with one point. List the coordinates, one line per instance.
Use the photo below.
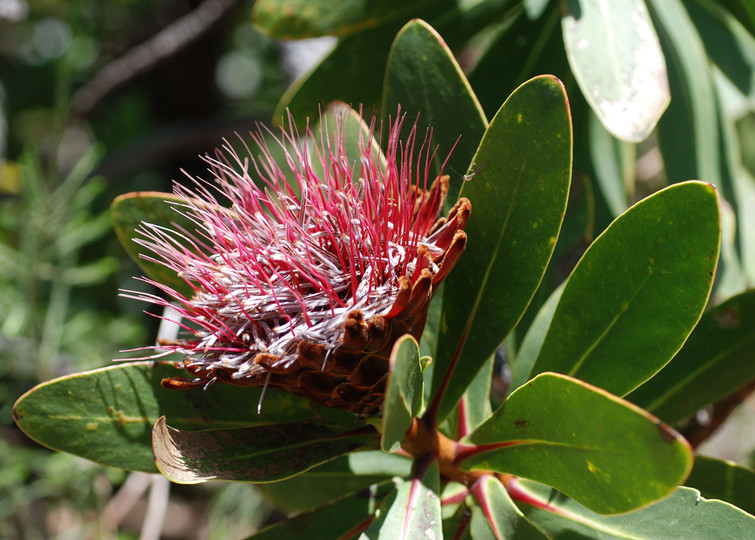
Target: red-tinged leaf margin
(583, 441)
(503, 516)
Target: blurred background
(98, 99)
(103, 98)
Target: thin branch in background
(696, 432)
(171, 142)
(159, 492)
(149, 54)
(130, 492)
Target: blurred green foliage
(63, 158)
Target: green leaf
(359, 76)
(618, 63)
(476, 400)
(107, 414)
(130, 210)
(686, 134)
(683, 515)
(637, 292)
(413, 511)
(344, 474)
(423, 77)
(339, 519)
(521, 367)
(583, 214)
(297, 19)
(518, 201)
(257, 454)
(717, 479)
(403, 394)
(718, 358)
(582, 441)
(495, 512)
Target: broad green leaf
(687, 133)
(683, 515)
(297, 19)
(585, 211)
(403, 395)
(344, 474)
(637, 292)
(422, 77)
(130, 210)
(341, 518)
(724, 480)
(518, 198)
(359, 76)
(107, 414)
(718, 358)
(614, 164)
(257, 454)
(618, 63)
(584, 442)
(521, 367)
(495, 512)
(413, 511)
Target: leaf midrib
(582, 359)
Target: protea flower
(304, 284)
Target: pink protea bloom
(305, 284)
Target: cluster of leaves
(683, 66)
(630, 305)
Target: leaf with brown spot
(582, 441)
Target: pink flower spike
(314, 264)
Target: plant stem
(422, 440)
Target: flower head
(312, 268)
